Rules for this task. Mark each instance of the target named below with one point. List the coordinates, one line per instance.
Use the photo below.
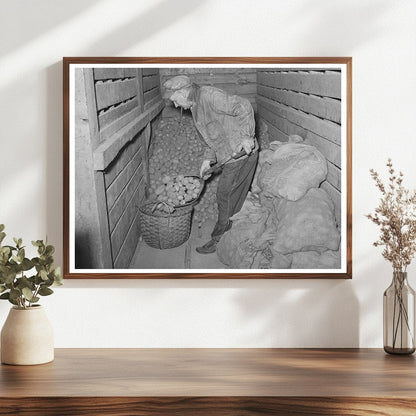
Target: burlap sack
(238, 246)
(293, 169)
(307, 224)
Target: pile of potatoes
(178, 190)
(176, 151)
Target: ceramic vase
(27, 337)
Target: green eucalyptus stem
(36, 291)
(23, 280)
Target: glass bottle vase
(399, 316)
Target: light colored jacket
(222, 120)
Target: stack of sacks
(238, 246)
(300, 230)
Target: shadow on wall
(301, 313)
(157, 17)
(348, 26)
(41, 16)
(54, 146)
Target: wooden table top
(214, 372)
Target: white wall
(380, 35)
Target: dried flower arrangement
(396, 216)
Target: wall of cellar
(116, 109)
(240, 81)
(138, 143)
(306, 103)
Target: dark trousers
(233, 186)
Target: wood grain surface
(212, 381)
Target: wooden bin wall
(307, 103)
(122, 103)
(240, 81)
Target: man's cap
(175, 84)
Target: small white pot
(27, 337)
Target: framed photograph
(207, 168)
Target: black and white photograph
(221, 169)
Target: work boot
(208, 248)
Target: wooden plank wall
(123, 95)
(239, 81)
(307, 103)
(125, 190)
(119, 100)
(151, 86)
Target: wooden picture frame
(109, 100)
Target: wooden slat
(108, 150)
(120, 232)
(221, 78)
(323, 128)
(108, 73)
(331, 151)
(118, 185)
(110, 93)
(127, 192)
(113, 113)
(130, 72)
(147, 133)
(139, 79)
(114, 73)
(154, 101)
(86, 225)
(335, 195)
(129, 245)
(150, 82)
(105, 249)
(275, 133)
(334, 176)
(150, 71)
(118, 124)
(324, 107)
(235, 89)
(149, 95)
(288, 69)
(170, 72)
(325, 84)
(122, 159)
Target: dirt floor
(182, 257)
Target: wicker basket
(163, 230)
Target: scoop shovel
(217, 167)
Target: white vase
(27, 337)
